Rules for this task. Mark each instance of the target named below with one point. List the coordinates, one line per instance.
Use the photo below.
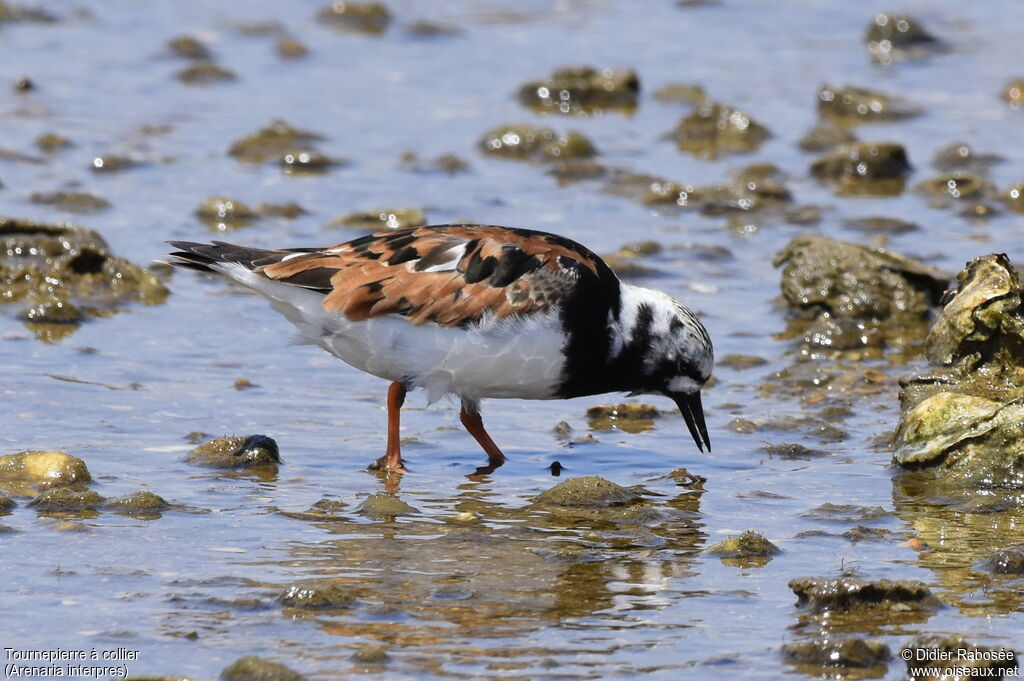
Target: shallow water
(505, 589)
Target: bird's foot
(382, 464)
(492, 465)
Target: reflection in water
(482, 589)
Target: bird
(477, 311)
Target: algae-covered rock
(583, 89)
(974, 440)
(956, 186)
(881, 225)
(274, 141)
(288, 47)
(66, 499)
(843, 653)
(236, 451)
(72, 202)
(188, 47)
(52, 143)
(1007, 561)
(939, 653)
(142, 503)
(525, 142)
(41, 470)
(713, 129)
(204, 73)
(824, 594)
(6, 504)
(978, 338)
(222, 213)
(113, 163)
(688, 93)
(382, 506)
(750, 544)
(630, 417)
(1014, 93)
(1014, 197)
(825, 135)
(252, 668)
(323, 510)
(322, 595)
(371, 18)
(961, 156)
(865, 168)
(590, 491)
(899, 37)
(307, 162)
(848, 280)
(857, 105)
(384, 218)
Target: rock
(371, 18)
(323, 510)
(866, 168)
(236, 451)
(222, 213)
(252, 668)
(1008, 561)
(829, 652)
(1014, 93)
(112, 163)
(66, 499)
(963, 424)
(713, 129)
(41, 470)
(73, 202)
(51, 143)
(747, 545)
(142, 503)
(898, 37)
(1014, 198)
(188, 47)
(632, 418)
(589, 491)
(825, 135)
(961, 156)
(956, 186)
(376, 655)
(823, 594)
(204, 73)
(857, 105)
(320, 595)
(382, 506)
(524, 142)
(688, 93)
(290, 48)
(880, 225)
(583, 89)
(850, 281)
(308, 162)
(384, 218)
(273, 142)
(288, 211)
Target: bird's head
(674, 351)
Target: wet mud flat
(840, 199)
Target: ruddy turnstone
(477, 311)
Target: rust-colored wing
(450, 274)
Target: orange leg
(392, 459)
(475, 426)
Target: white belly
(519, 358)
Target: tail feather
(201, 257)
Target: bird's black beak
(693, 414)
